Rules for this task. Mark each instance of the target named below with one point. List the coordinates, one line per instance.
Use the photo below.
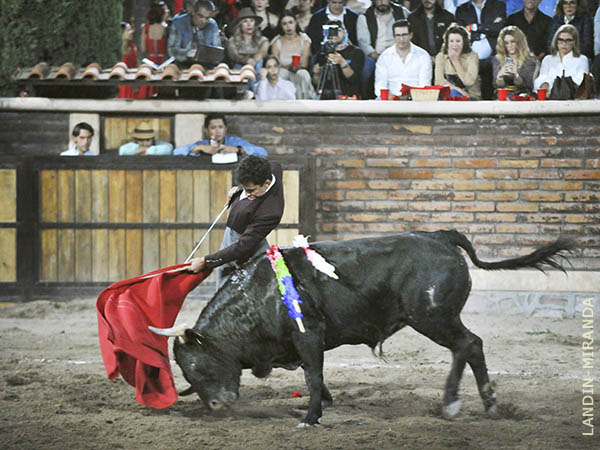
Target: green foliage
(57, 31)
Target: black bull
(415, 279)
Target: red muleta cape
(129, 348)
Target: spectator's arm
(440, 76)
(128, 149)
(471, 70)
(381, 77)
(175, 49)
(214, 38)
(184, 150)
(425, 71)
(160, 148)
(544, 76)
(364, 38)
(597, 32)
(248, 148)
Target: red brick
(561, 185)
(431, 185)
(342, 227)
(582, 174)
(416, 129)
(580, 218)
(542, 196)
(494, 174)
(366, 173)
(343, 206)
(328, 151)
(517, 207)
(518, 185)
(474, 207)
(345, 185)
(387, 162)
(367, 195)
(495, 238)
(474, 163)
(498, 196)
(381, 227)
(366, 217)
(459, 174)
(375, 151)
(518, 163)
(380, 205)
(464, 196)
(496, 217)
(561, 229)
(403, 195)
(388, 184)
(429, 206)
(358, 163)
(410, 173)
(543, 218)
(408, 217)
(330, 195)
(411, 151)
(561, 207)
(549, 162)
(430, 163)
(452, 217)
(592, 164)
(477, 185)
(541, 173)
(516, 228)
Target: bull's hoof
(307, 425)
(493, 412)
(451, 411)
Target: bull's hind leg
(465, 347)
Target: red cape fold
(129, 348)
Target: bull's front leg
(309, 346)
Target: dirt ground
(55, 393)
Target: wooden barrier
(94, 223)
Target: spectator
(335, 10)
(535, 24)
(403, 63)
(130, 57)
(292, 42)
(192, 30)
(247, 45)
(596, 65)
(188, 6)
(374, 33)
(574, 12)
(226, 12)
(457, 65)
(484, 19)
(269, 21)
(81, 140)
(347, 61)
(154, 33)
(514, 65)
(215, 127)
(429, 22)
(565, 58)
(271, 86)
(303, 12)
(144, 143)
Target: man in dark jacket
(256, 209)
(429, 22)
(335, 10)
(534, 24)
(484, 20)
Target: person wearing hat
(144, 143)
(247, 44)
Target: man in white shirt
(81, 136)
(403, 63)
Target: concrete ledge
(300, 107)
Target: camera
(327, 46)
(330, 31)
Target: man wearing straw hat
(144, 143)
(256, 209)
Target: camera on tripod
(328, 46)
(329, 81)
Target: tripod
(329, 74)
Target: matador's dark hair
(253, 169)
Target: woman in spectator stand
(271, 86)
(289, 45)
(130, 57)
(247, 44)
(457, 65)
(514, 64)
(565, 58)
(154, 33)
(303, 11)
(574, 12)
(268, 24)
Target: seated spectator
(292, 42)
(374, 33)
(535, 24)
(402, 63)
(154, 33)
(269, 21)
(484, 19)
(574, 12)
(303, 12)
(565, 58)
(457, 65)
(130, 57)
(144, 143)
(335, 10)
(271, 86)
(192, 30)
(347, 62)
(215, 127)
(429, 23)
(81, 140)
(247, 45)
(188, 6)
(514, 65)
(596, 65)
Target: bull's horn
(169, 332)
(188, 391)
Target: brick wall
(509, 183)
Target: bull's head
(213, 375)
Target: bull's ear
(193, 336)
(188, 391)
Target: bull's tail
(550, 255)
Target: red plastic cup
(295, 60)
(502, 94)
(541, 94)
(384, 94)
